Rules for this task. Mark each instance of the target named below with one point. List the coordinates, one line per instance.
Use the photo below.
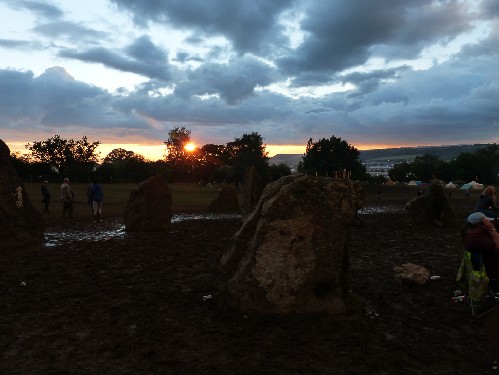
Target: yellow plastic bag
(475, 282)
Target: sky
(377, 74)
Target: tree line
(56, 158)
(481, 166)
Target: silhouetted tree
(276, 171)
(327, 156)
(31, 171)
(121, 165)
(178, 138)
(180, 161)
(481, 165)
(211, 162)
(66, 157)
(248, 150)
(401, 172)
(427, 167)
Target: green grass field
(197, 198)
(185, 197)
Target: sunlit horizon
(158, 152)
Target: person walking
(487, 202)
(45, 197)
(67, 197)
(95, 197)
(482, 242)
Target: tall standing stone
(292, 253)
(21, 225)
(253, 188)
(431, 208)
(226, 202)
(149, 207)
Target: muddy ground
(99, 301)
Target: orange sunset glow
(157, 152)
(189, 147)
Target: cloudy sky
(382, 73)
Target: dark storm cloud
(369, 82)
(37, 7)
(56, 100)
(249, 25)
(425, 24)
(490, 8)
(234, 81)
(432, 106)
(206, 115)
(143, 49)
(17, 44)
(141, 57)
(184, 57)
(70, 30)
(16, 94)
(342, 34)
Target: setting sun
(190, 147)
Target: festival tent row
(472, 185)
(421, 183)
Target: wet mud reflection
(116, 230)
(57, 238)
(380, 210)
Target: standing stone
(149, 207)
(253, 188)
(292, 253)
(432, 207)
(226, 201)
(21, 225)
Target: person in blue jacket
(95, 198)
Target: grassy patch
(186, 197)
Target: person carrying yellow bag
(479, 269)
(475, 281)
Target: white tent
(476, 185)
(472, 185)
(450, 185)
(412, 183)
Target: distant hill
(445, 153)
(291, 160)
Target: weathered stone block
(431, 208)
(226, 201)
(253, 188)
(149, 207)
(21, 225)
(292, 253)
